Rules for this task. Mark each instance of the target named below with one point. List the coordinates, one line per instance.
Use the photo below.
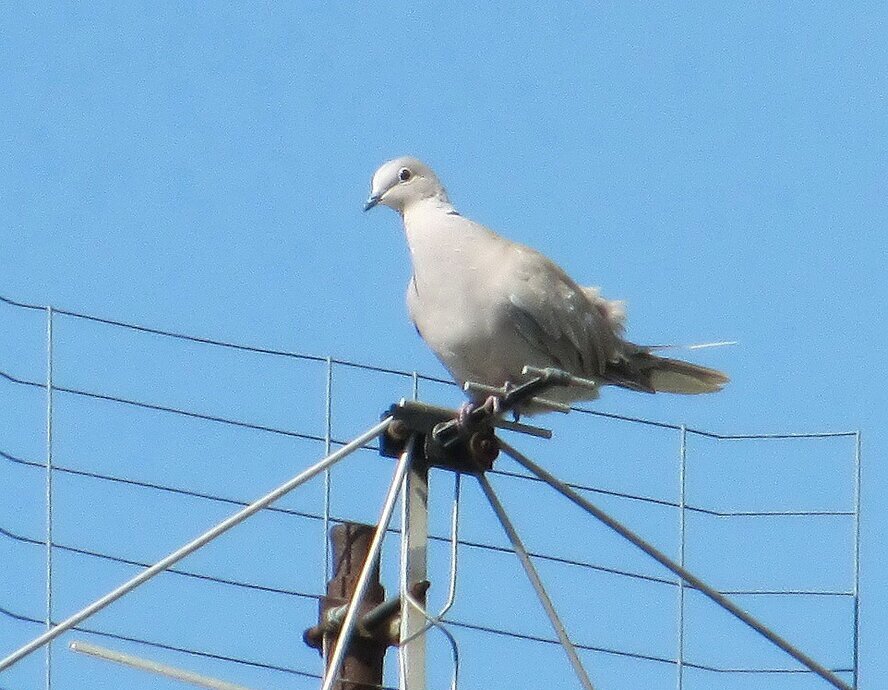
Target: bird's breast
(466, 329)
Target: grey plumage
(487, 306)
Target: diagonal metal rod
(194, 545)
(351, 615)
(537, 583)
(154, 667)
(664, 560)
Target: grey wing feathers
(613, 310)
(556, 317)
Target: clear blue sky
(202, 169)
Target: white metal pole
(194, 545)
(414, 562)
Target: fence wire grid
(121, 442)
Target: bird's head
(401, 182)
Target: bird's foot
(492, 407)
(464, 415)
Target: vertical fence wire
(50, 312)
(328, 478)
(856, 557)
(49, 363)
(682, 469)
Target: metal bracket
(471, 450)
(464, 441)
(379, 624)
(445, 444)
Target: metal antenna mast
(357, 624)
(467, 444)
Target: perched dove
(487, 306)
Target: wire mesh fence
(151, 436)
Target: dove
(487, 307)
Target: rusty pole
(362, 665)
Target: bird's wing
(555, 316)
(613, 310)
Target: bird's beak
(372, 201)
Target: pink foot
(491, 406)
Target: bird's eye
(404, 174)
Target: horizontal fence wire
(252, 663)
(394, 530)
(319, 518)
(143, 564)
(622, 653)
(518, 475)
(468, 543)
(414, 376)
(226, 344)
(398, 372)
(493, 630)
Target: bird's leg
(464, 415)
(491, 406)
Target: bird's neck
(433, 204)
(441, 241)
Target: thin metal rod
(454, 561)
(194, 545)
(577, 381)
(537, 583)
(682, 470)
(351, 615)
(691, 579)
(454, 545)
(451, 590)
(49, 521)
(154, 667)
(436, 622)
(856, 646)
(550, 405)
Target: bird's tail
(676, 376)
(648, 372)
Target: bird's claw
(493, 405)
(465, 416)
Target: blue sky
(202, 170)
